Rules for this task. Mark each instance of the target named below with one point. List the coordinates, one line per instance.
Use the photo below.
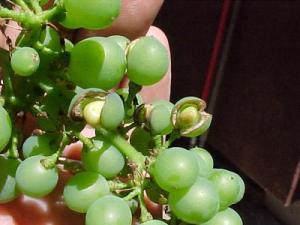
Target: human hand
(134, 21)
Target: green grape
(97, 62)
(5, 128)
(205, 155)
(8, 187)
(92, 112)
(104, 159)
(83, 189)
(38, 145)
(25, 61)
(225, 217)
(113, 112)
(108, 113)
(196, 204)
(242, 188)
(147, 61)
(160, 117)
(228, 186)
(154, 222)
(175, 168)
(33, 179)
(109, 210)
(95, 14)
(122, 41)
(141, 140)
(189, 117)
(204, 170)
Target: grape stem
(120, 143)
(132, 194)
(85, 140)
(157, 141)
(173, 136)
(115, 185)
(13, 150)
(36, 6)
(50, 161)
(27, 18)
(145, 215)
(51, 13)
(133, 90)
(23, 5)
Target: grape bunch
(130, 159)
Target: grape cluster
(130, 159)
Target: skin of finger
(135, 18)
(12, 31)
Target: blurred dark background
(243, 58)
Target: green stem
(132, 194)
(119, 142)
(23, 5)
(173, 136)
(157, 141)
(145, 215)
(51, 13)
(133, 90)
(13, 150)
(115, 185)
(38, 45)
(50, 161)
(36, 6)
(45, 84)
(85, 140)
(27, 19)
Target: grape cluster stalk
(130, 160)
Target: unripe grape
(196, 204)
(5, 128)
(25, 61)
(122, 41)
(205, 155)
(225, 217)
(160, 117)
(33, 179)
(83, 189)
(175, 168)
(107, 113)
(109, 210)
(228, 186)
(95, 14)
(104, 159)
(205, 161)
(97, 63)
(189, 117)
(147, 61)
